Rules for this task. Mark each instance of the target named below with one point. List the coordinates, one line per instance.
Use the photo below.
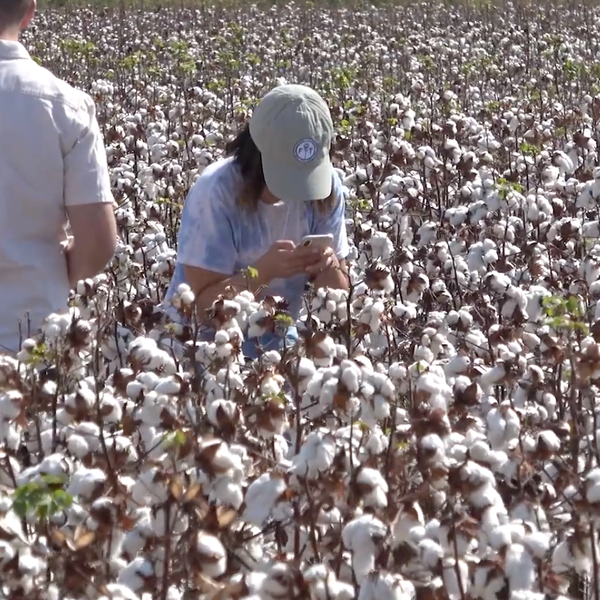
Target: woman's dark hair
(249, 160)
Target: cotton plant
(440, 380)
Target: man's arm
(93, 241)
(87, 195)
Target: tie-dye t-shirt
(218, 235)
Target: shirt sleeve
(335, 221)
(206, 238)
(86, 178)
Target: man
(52, 168)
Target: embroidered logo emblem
(305, 150)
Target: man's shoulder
(37, 81)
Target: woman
(253, 207)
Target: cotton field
(436, 432)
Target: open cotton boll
(374, 488)
(408, 525)
(85, 482)
(117, 591)
(538, 543)
(11, 404)
(316, 455)
(430, 553)
(261, 497)
(455, 575)
(520, 568)
(361, 537)
(136, 573)
(351, 376)
(209, 555)
(77, 446)
(592, 486)
(168, 385)
(386, 586)
(220, 410)
(149, 487)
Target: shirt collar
(12, 50)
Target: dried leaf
(192, 491)
(176, 488)
(58, 536)
(225, 516)
(84, 540)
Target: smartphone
(320, 241)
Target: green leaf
(362, 426)
(282, 319)
(175, 438)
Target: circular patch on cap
(306, 150)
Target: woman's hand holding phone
(284, 259)
(321, 250)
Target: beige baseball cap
(292, 128)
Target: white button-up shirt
(51, 156)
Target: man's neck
(9, 35)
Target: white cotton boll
(480, 451)
(430, 553)
(373, 481)
(361, 537)
(134, 575)
(538, 543)
(562, 558)
(227, 492)
(519, 568)
(168, 385)
(271, 357)
(187, 298)
(408, 525)
(260, 499)
(455, 575)
(149, 487)
(224, 350)
(148, 380)
(316, 455)
(363, 531)
(306, 368)
(11, 404)
(485, 497)
(134, 389)
(397, 371)
(221, 337)
(351, 377)
(386, 586)
(549, 441)
(489, 582)
(270, 386)
(422, 353)
(77, 446)
(116, 591)
(381, 407)
(219, 409)
(432, 447)
(592, 484)
(84, 482)
(210, 554)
